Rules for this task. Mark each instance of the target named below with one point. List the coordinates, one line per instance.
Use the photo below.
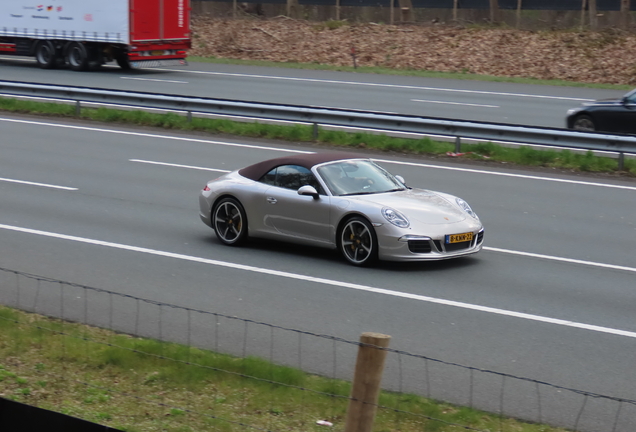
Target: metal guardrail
(620, 144)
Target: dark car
(608, 115)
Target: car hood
(418, 205)
(604, 102)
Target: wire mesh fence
(200, 370)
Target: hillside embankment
(607, 57)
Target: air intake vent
(420, 246)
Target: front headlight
(395, 217)
(464, 206)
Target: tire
(46, 55)
(123, 61)
(77, 56)
(230, 222)
(584, 123)
(358, 242)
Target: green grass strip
(523, 156)
(137, 385)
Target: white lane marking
(409, 87)
(355, 83)
(455, 103)
(561, 259)
(148, 135)
(179, 166)
(37, 184)
(323, 281)
(176, 138)
(28, 60)
(579, 182)
(155, 80)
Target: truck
(85, 34)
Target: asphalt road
(531, 105)
(551, 297)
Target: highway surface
(531, 105)
(549, 298)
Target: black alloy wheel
(358, 242)
(230, 222)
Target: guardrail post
(189, 116)
(366, 382)
(621, 161)
(78, 108)
(314, 133)
(458, 144)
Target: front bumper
(422, 248)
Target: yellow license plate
(459, 238)
(157, 52)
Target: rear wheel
(358, 242)
(46, 54)
(230, 222)
(77, 56)
(123, 61)
(584, 123)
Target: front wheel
(230, 222)
(584, 123)
(358, 242)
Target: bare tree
(625, 7)
(494, 11)
(593, 17)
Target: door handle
(272, 200)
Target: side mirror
(400, 179)
(308, 191)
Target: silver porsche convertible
(339, 201)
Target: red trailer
(84, 34)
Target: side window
(291, 177)
(269, 178)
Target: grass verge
(136, 385)
(525, 155)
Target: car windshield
(358, 177)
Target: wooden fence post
(518, 13)
(366, 382)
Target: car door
(298, 217)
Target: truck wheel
(46, 55)
(123, 61)
(77, 56)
